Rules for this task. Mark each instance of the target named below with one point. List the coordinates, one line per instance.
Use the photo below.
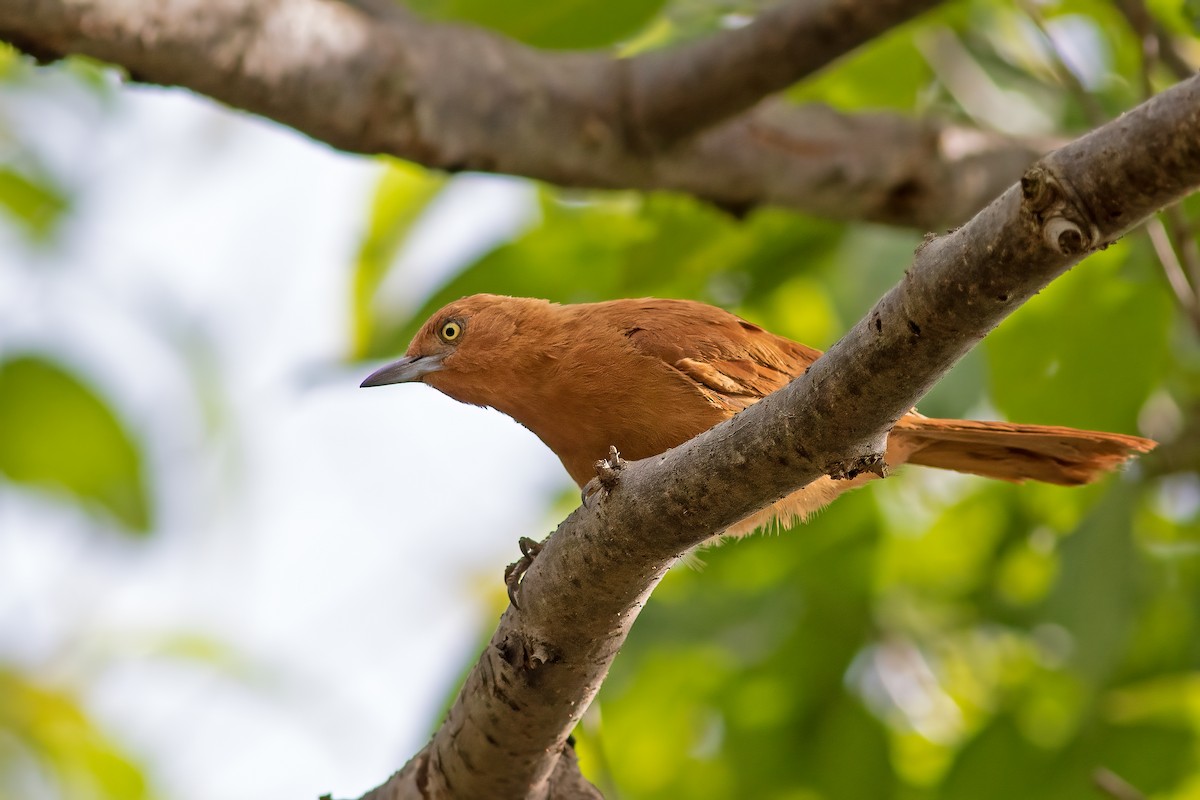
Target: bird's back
(729, 361)
(646, 375)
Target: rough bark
(674, 93)
(506, 733)
(458, 98)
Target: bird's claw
(608, 474)
(590, 489)
(516, 570)
(842, 470)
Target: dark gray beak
(406, 370)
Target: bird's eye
(451, 331)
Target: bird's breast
(642, 408)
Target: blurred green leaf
(1181, 16)
(97, 76)
(57, 433)
(851, 758)
(56, 731)
(36, 205)
(569, 24)
(1095, 598)
(1088, 350)
(951, 557)
(589, 240)
(401, 197)
(1166, 636)
(733, 682)
(888, 72)
(1154, 758)
(1001, 763)
(9, 59)
(662, 245)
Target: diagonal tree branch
(457, 98)
(505, 736)
(677, 92)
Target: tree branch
(459, 98)
(869, 167)
(681, 91)
(506, 732)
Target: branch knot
(1059, 211)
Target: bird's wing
(732, 362)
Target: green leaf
(57, 433)
(622, 244)
(403, 194)
(50, 725)
(1155, 758)
(733, 682)
(1096, 596)
(941, 562)
(850, 759)
(1001, 763)
(888, 72)
(591, 241)
(662, 245)
(1188, 9)
(567, 24)
(10, 60)
(1088, 350)
(96, 76)
(36, 205)
(975, 776)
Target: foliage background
(214, 553)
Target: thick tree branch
(505, 734)
(678, 92)
(870, 167)
(458, 98)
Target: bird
(645, 375)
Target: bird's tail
(1011, 452)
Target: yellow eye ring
(450, 331)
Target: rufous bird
(646, 375)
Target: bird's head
(464, 349)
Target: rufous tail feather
(1003, 450)
(1011, 452)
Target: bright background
(226, 572)
(302, 597)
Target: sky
(327, 559)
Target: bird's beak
(406, 370)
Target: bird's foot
(608, 475)
(844, 471)
(516, 570)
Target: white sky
(346, 544)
